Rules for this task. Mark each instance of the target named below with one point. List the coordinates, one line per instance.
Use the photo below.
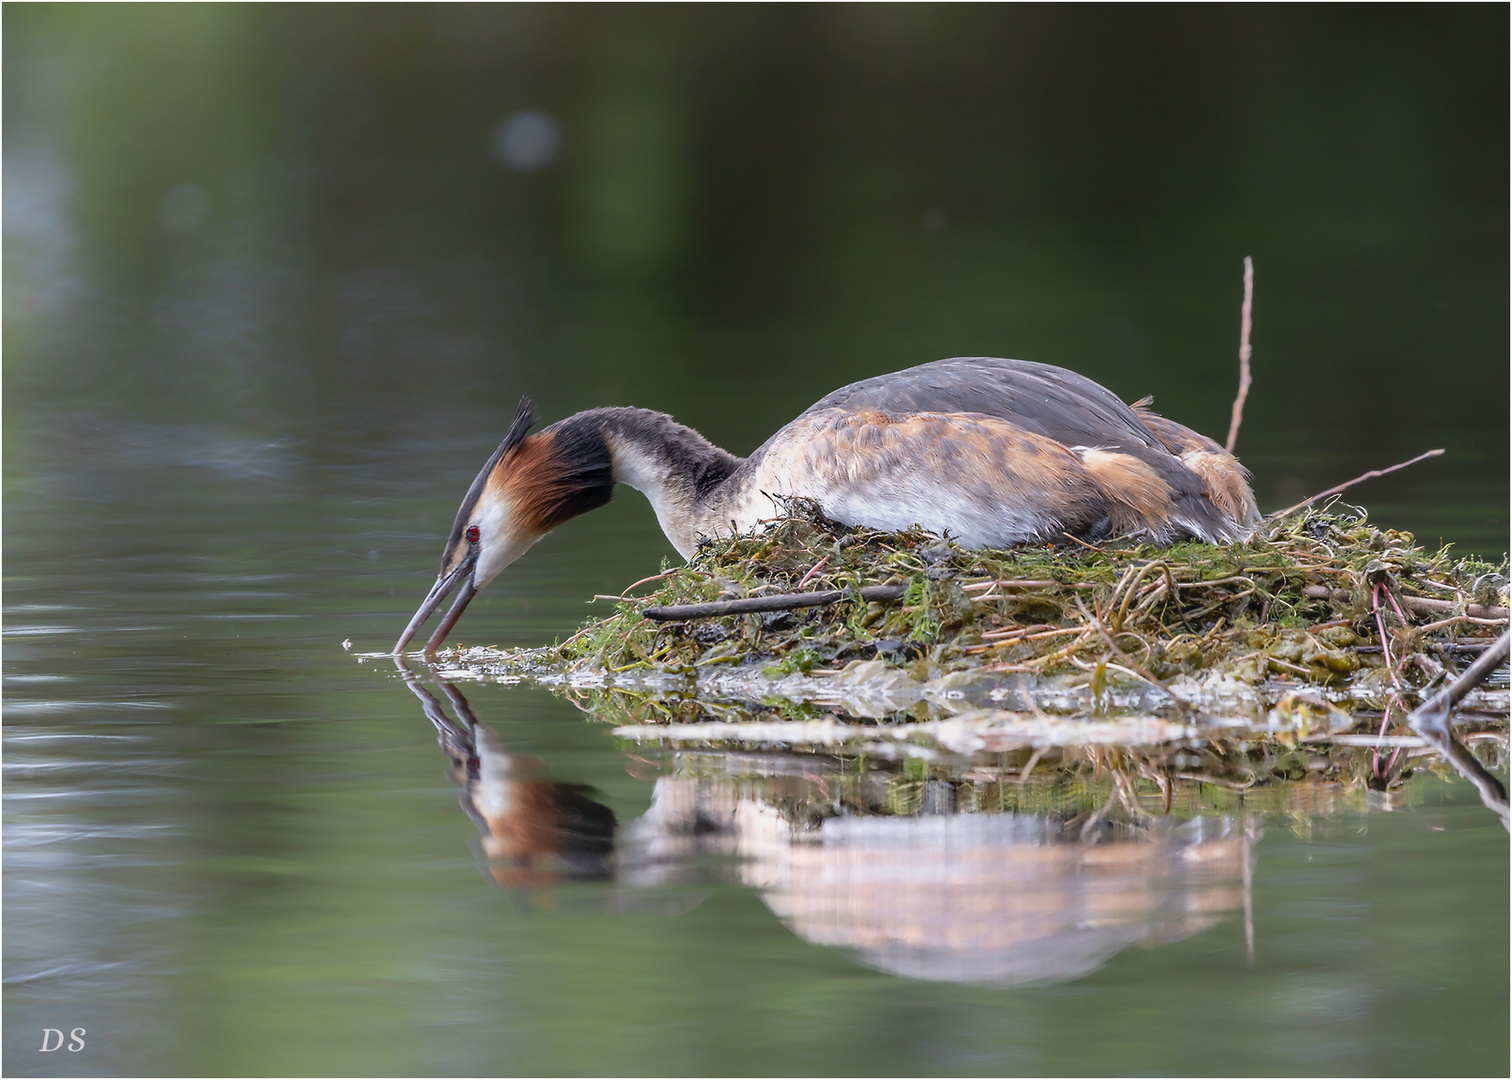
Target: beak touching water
(461, 573)
(477, 532)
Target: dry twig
(1432, 721)
(813, 570)
(1244, 353)
(1420, 605)
(781, 602)
(1371, 475)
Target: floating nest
(1323, 598)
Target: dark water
(272, 287)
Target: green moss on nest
(1303, 599)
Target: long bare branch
(1244, 353)
(1371, 475)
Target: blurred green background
(306, 221)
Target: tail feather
(1225, 480)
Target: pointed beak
(462, 575)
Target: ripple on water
(56, 705)
(38, 736)
(53, 631)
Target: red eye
(471, 534)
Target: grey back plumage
(1045, 400)
(1059, 404)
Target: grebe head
(494, 527)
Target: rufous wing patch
(1177, 438)
(1138, 499)
(1225, 481)
(982, 479)
(1223, 478)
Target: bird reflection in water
(988, 898)
(534, 831)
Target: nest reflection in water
(947, 892)
(999, 867)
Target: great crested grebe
(993, 452)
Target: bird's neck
(675, 467)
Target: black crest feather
(519, 427)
